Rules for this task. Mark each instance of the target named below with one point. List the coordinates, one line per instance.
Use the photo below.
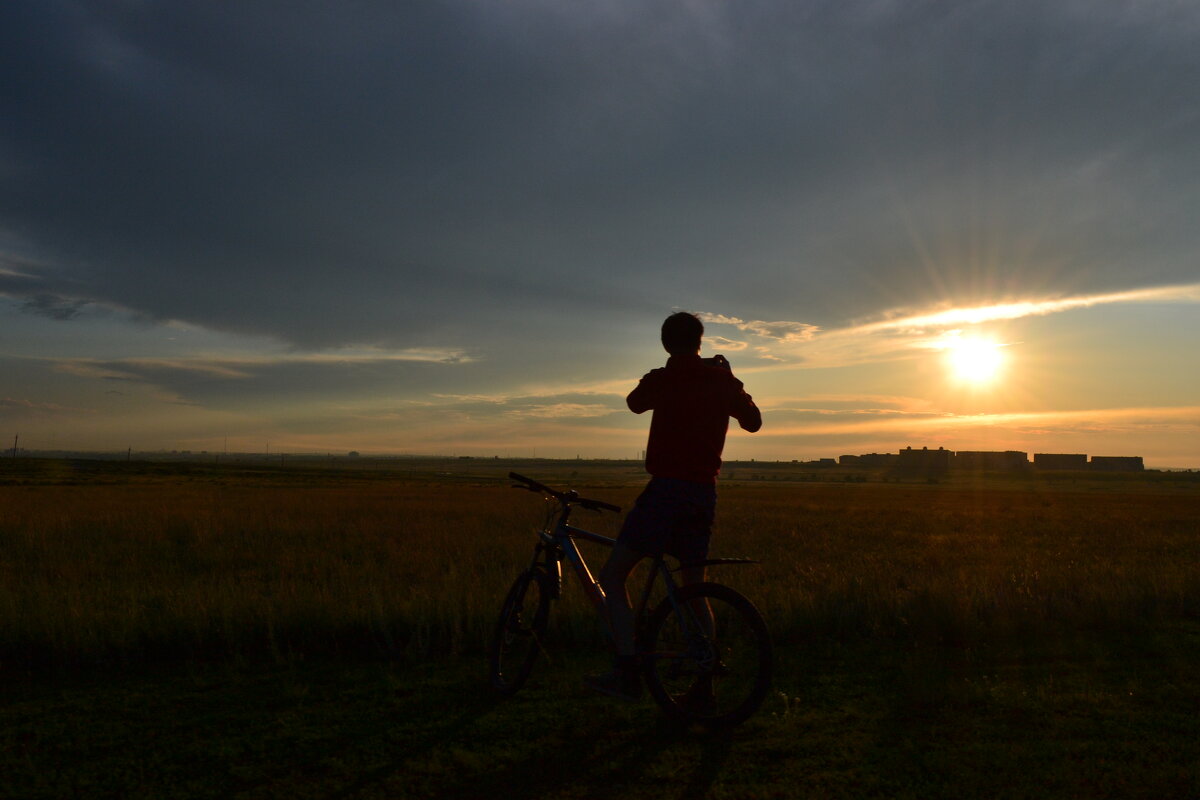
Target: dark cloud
(459, 172)
(60, 308)
(12, 409)
(230, 385)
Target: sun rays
(974, 360)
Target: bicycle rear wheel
(715, 674)
(517, 638)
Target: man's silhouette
(692, 399)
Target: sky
(456, 227)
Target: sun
(975, 361)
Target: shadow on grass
(609, 759)
(476, 703)
(714, 754)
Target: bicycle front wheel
(708, 656)
(517, 639)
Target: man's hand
(719, 361)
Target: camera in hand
(718, 361)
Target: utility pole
(16, 438)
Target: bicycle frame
(559, 544)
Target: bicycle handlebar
(568, 498)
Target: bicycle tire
(678, 657)
(520, 628)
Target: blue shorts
(671, 516)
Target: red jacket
(693, 400)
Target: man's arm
(744, 410)
(643, 397)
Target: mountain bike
(680, 647)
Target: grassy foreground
(264, 633)
(864, 721)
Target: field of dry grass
(200, 567)
(191, 631)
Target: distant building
(867, 460)
(1060, 460)
(990, 460)
(1117, 463)
(926, 461)
(923, 460)
(877, 459)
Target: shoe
(616, 683)
(698, 700)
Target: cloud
(410, 176)
(144, 368)
(845, 413)
(853, 403)
(718, 319)
(54, 307)
(271, 383)
(563, 411)
(560, 425)
(975, 315)
(721, 343)
(783, 331)
(92, 369)
(764, 353)
(554, 405)
(11, 276)
(1175, 419)
(234, 367)
(901, 333)
(20, 407)
(778, 333)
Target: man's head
(681, 334)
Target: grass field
(202, 630)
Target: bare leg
(613, 576)
(688, 576)
(703, 685)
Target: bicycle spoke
(713, 672)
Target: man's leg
(612, 579)
(701, 608)
(624, 680)
(699, 697)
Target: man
(692, 399)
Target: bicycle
(679, 647)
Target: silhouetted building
(990, 460)
(931, 461)
(923, 460)
(1060, 460)
(1117, 463)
